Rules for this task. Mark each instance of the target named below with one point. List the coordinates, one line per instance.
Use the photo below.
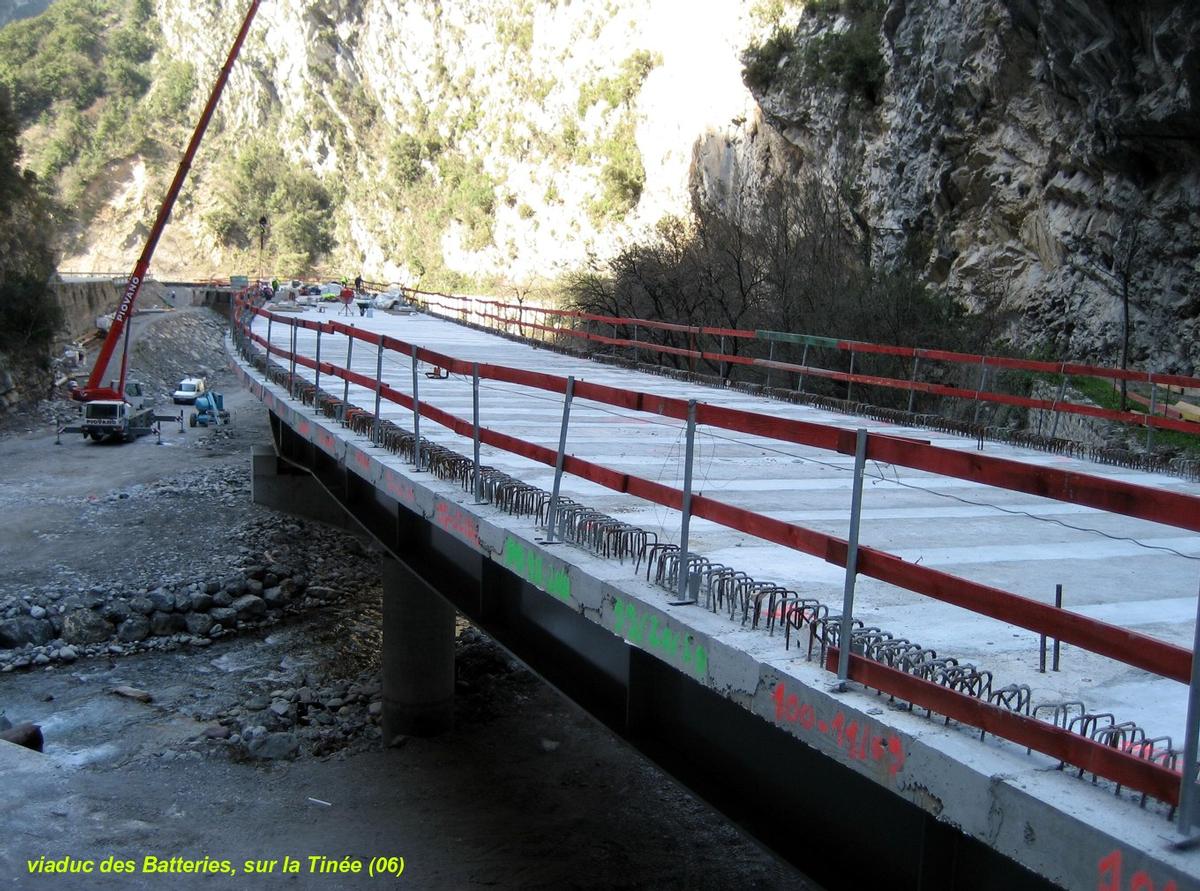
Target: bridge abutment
(418, 655)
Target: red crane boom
(94, 390)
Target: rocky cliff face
(555, 128)
(1039, 155)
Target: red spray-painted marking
(397, 487)
(363, 460)
(1109, 878)
(305, 428)
(862, 742)
(327, 440)
(456, 521)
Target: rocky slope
(1038, 154)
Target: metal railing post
(685, 562)
(850, 384)
(1062, 388)
(983, 371)
(721, 364)
(912, 391)
(378, 391)
(803, 364)
(1057, 642)
(552, 516)
(635, 345)
(416, 400)
(292, 375)
(770, 358)
(317, 378)
(1150, 418)
(269, 321)
(847, 629)
(346, 380)
(1189, 794)
(475, 429)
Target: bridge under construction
(685, 562)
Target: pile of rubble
(61, 625)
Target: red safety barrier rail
(1131, 648)
(468, 308)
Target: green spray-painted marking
(646, 630)
(529, 565)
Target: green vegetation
(85, 71)
(849, 60)
(258, 180)
(621, 89)
(760, 61)
(623, 175)
(76, 52)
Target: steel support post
(850, 383)
(983, 372)
(292, 375)
(416, 400)
(685, 561)
(317, 379)
(770, 358)
(847, 630)
(721, 364)
(1057, 642)
(346, 381)
(803, 364)
(1062, 388)
(635, 345)
(1150, 418)
(269, 321)
(378, 391)
(552, 516)
(475, 430)
(1189, 794)
(912, 390)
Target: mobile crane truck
(119, 411)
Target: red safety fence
(477, 308)
(1129, 647)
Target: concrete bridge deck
(712, 688)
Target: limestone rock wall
(1042, 153)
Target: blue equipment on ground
(210, 411)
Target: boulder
(249, 605)
(27, 735)
(199, 623)
(141, 605)
(162, 624)
(161, 600)
(133, 629)
(25, 630)
(273, 746)
(83, 626)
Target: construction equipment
(210, 411)
(123, 419)
(108, 411)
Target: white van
(188, 390)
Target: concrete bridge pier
(418, 655)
